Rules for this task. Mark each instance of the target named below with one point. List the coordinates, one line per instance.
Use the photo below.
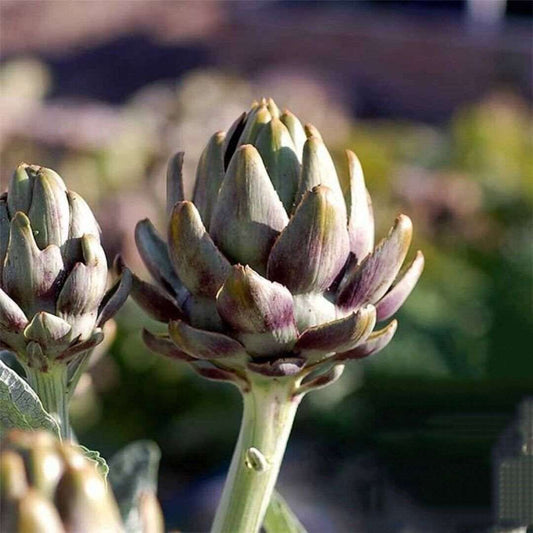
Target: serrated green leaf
(279, 518)
(133, 471)
(20, 407)
(95, 457)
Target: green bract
(272, 267)
(50, 487)
(53, 272)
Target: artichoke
(51, 487)
(269, 279)
(272, 267)
(53, 277)
(53, 271)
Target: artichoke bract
(50, 487)
(53, 272)
(272, 267)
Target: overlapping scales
(272, 267)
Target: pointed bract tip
(352, 157)
(312, 132)
(403, 225)
(219, 136)
(248, 150)
(185, 206)
(92, 250)
(28, 168)
(118, 264)
(176, 159)
(20, 220)
(143, 222)
(403, 222)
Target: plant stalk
(51, 387)
(269, 407)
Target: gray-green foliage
(20, 407)
(133, 476)
(279, 517)
(95, 457)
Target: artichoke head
(272, 267)
(53, 271)
(50, 487)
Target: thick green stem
(268, 415)
(51, 387)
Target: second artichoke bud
(53, 272)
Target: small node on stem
(255, 460)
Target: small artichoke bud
(53, 272)
(272, 268)
(50, 486)
(82, 498)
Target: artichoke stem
(268, 414)
(51, 387)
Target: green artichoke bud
(53, 272)
(272, 267)
(50, 486)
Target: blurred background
(435, 98)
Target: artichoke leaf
(49, 210)
(340, 335)
(375, 342)
(359, 206)
(175, 181)
(279, 517)
(278, 152)
(199, 264)
(20, 407)
(164, 346)
(395, 298)
(205, 344)
(248, 215)
(370, 280)
(31, 277)
(314, 246)
(209, 175)
(260, 311)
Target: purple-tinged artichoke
(53, 278)
(53, 272)
(50, 487)
(272, 267)
(270, 279)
